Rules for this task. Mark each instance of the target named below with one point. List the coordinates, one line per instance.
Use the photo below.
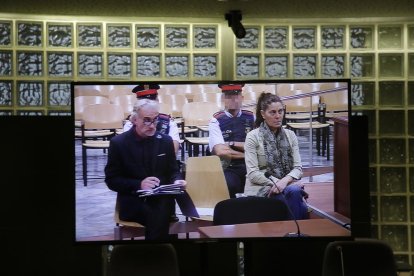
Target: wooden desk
(311, 227)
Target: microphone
(298, 233)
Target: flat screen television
(333, 153)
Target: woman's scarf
(277, 150)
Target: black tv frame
(360, 217)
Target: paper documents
(169, 189)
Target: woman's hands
(280, 185)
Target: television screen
(318, 112)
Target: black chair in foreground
(360, 257)
(143, 259)
(249, 210)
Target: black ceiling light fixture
(234, 19)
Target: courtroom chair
(249, 209)
(121, 89)
(126, 229)
(258, 88)
(99, 124)
(86, 90)
(206, 184)
(155, 259)
(165, 108)
(176, 101)
(196, 117)
(126, 102)
(360, 257)
(80, 102)
(213, 97)
(336, 103)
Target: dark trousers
(154, 212)
(235, 178)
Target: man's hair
(141, 103)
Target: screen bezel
(355, 210)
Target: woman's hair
(139, 104)
(263, 102)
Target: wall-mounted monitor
(318, 111)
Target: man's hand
(149, 183)
(181, 182)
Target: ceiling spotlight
(234, 19)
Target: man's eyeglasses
(148, 121)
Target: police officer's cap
(231, 89)
(146, 91)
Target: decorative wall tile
(304, 66)
(60, 64)
(6, 63)
(148, 65)
(30, 113)
(276, 66)
(29, 33)
(205, 37)
(148, 37)
(362, 65)
(59, 94)
(332, 37)
(30, 63)
(251, 40)
(393, 209)
(410, 130)
(60, 35)
(6, 112)
(205, 65)
(333, 66)
(30, 93)
(391, 122)
(391, 65)
(389, 37)
(6, 97)
(247, 66)
(119, 65)
(89, 35)
(5, 33)
(392, 151)
(411, 65)
(396, 236)
(304, 37)
(361, 37)
(276, 38)
(90, 64)
(176, 66)
(410, 100)
(176, 37)
(391, 93)
(410, 36)
(119, 36)
(363, 93)
(393, 180)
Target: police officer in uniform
(166, 124)
(227, 133)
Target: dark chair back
(143, 259)
(360, 257)
(249, 210)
